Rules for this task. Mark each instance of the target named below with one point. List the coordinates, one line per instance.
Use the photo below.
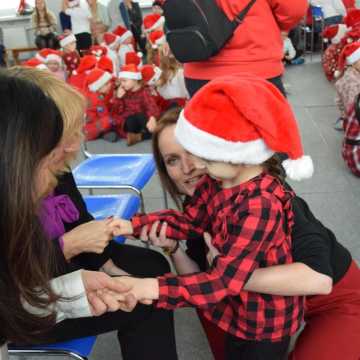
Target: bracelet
(169, 251)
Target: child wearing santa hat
(348, 86)
(71, 57)
(233, 127)
(351, 143)
(112, 44)
(127, 43)
(153, 22)
(78, 76)
(133, 108)
(55, 64)
(98, 120)
(35, 63)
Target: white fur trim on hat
(342, 30)
(160, 22)
(95, 86)
(126, 35)
(354, 57)
(67, 40)
(130, 75)
(299, 169)
(156, 77)
(53, 57)
(42, 67)
(211, 147)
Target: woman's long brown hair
(46, 15)
(30, 128)
(169, 67)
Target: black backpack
(198, 29)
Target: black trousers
(144, 333)
(137, 124)
(193, 85)
(83, 42)
(238, 349)
(47, 41)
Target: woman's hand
(121, 227)
(213, 251)
(92, 237)
(107, 294)
(157, 240)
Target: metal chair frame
(46, 352)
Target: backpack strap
(240, 17)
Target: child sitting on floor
(54, 63)
(112, 44)
(126, 41)
(71, 56)
(133, 108)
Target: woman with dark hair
(44, 23)
(319, 261)
(32, 260)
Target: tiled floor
(333, 193)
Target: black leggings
(193, 85)
(146, 332)
(47, 41)
(238, 349)
(137, 124)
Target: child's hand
(284, 35)
(120, 227)
(213, 251)
(151, 124)
(120, 92)
(157, 240)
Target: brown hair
(273, 167)
(168, 119)
(169, 67)
(151, 54)
(46, 15)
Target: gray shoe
(339, 124)
(110, 136)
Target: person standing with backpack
(256, 46)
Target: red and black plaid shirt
(250, 226)
(351, 152)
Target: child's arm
(151, 109)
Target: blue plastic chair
(124, 206)
(78, 349)
(115, 171)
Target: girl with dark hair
(44, 23)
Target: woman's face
(40, 4)
(178, 162)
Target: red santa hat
(96, 79)
(334, 33)
(353, 35)
(42, 54)
(87, 63)
(35, 63)
(157, 38)
(98, 50)
(106, 64)
(242, 120)
(349, 55)
(111, 40)
(352, 18)
(150, 74)
(152, 22)
(130, 71)
(123, 33)
(131, 57)
(66, 39)
(54, 55)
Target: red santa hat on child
(106, 64)
(131, 57)
(157, 38)
(42, 54)
(150, 74)
(87, 63)
(123, 33)
(96, 79)
(98, 50)
(111, 40)
(35, 63)
(242, 120)
(352, 18)
(54, 55)
(66, 39)
(349, 55)
(152, 22)
(334, 33)
(130, 71)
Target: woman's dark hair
(168, 119)
(30, 128)
(274, 168)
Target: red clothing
(78, 81)
(351, 152)
(257, 46)
(98, 119)
(330, 59)
(247, 223)
(133, 102)
(71, 60)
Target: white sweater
(174, 88)
(80, 18)
(330, 7)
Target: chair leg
(46, 352)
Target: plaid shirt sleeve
(249, 234)
(151, 107)
(189, 224)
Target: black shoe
(110, 136)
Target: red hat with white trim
(130, 71)
(35, 63)
(66, 39)
(157, 38)
(352, 18)
(54, 55)
(334, 33)
(98, 50)
(349, 55)
(42, 54)
(111, 40)
(87, 63)
(242, 120)
(131, 57)
(123, 33)
(106, 64)
(152, 22)
(150, 74)
(96, 79)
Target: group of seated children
(125, 97)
